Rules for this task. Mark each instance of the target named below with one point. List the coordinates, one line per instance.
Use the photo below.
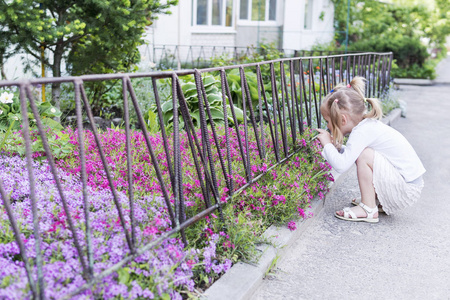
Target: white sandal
(349, 215)
(357, 201)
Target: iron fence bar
(360, 63)
(314, 93)
(189, 127)
(23, 253)
(261, 117)
(303, 88)
(236, 124)
(284, 95)
(262, 90)
(252, 116)
(32, 179)
(203, 125)
(333, 71)
(223, 82)
(390, 58)
(106, 167)
(187, 118)
(244, 109)
(363, 66)
(177, 189)
(54, 171)
(152, 155)
(327, 66)
(83, 175)
(383, 76)
(163, 132)
(376, 76)
(322, 83)
(293, 119)
(341, 76)
(299, 113)
(276, 108)
(347, 66)
(371, 82)
(354, 68)
(216, 140)
(379, 76)
(126, 113)
(310, 89)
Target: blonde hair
(349, 99)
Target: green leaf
(188, 87)
(124, 275)
(167, 106)
(209, 80)
(52, 123)
(216, 114)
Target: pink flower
(292, 226)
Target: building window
(258, 10)
(308, 14)
(213, 12)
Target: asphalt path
(404, 256)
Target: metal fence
(188, 56)
(298, 85)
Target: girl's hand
(324, 137)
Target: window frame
(209, 27)
(250, 22)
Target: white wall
(298, 38)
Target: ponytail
(376, 112)
(336, 119)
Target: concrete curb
(242, 280)
(413, 81)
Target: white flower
(151, 65)
(52, 110)
(1, 111)
(6, 97)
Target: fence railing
(188, 56)
(296, 85)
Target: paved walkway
(404, 256)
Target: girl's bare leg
(364, 169)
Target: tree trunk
(3, 72)
(56, 69)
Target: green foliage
(11, 117)
(58, 141)
(427, 70)
(407, 28)
(407, 50)
(265, 52)
(91, 36)
(213, 95)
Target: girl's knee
(366, 157)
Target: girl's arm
(356, 143)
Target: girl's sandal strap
(369, 210)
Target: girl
(388, 169)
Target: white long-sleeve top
(371, 133)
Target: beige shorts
(393, 192)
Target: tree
(91, 36)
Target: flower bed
(169, 270)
